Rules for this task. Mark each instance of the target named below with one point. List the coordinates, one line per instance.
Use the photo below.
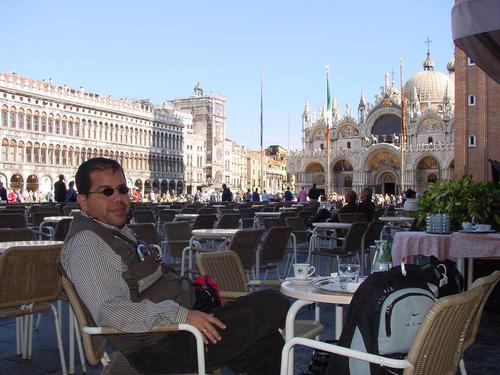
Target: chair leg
(19, 335)
(59, 340)
(461, 365)
(25, 337)
(30, 336)
(79, 343)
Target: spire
(306, 108)
(428, 63)
(362, 103)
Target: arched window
(348, 144)
(471, 100)
(44, 123)
(20, 119)
(5, 111)
(58, 125)
(5, 148)
(43, 155)
(77, 128)
(70, 127)
(430, 140)
(20, 152)
(36, 121)
(51, 154)
(29, 119)
(64, 155)
(12, 150)
(50, 124)
(12, 119)
(63, 125)
(70, 155)
(29, 150)
(36, 152)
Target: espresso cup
(467, 225)
(483, 227)
(303, 271)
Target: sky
(159, 50)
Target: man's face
(113, 209)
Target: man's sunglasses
(108, 191)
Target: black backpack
(383, 318)
(445, 275)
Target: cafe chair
(148, 233)
(94, 342)
(143, 216)
(166, 216)
(29, 281)
(438, 346)
(273, 250)
(205, 221)
(350, 248)
(177, 237)
(229, 221)
(12, 220)
(226, 269)
(372, 233)
(360, 217)
(347, 217)
(17, 234)
(245, 243)
(489, 282)
(302, 240)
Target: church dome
(430, 85)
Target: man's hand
(206, 324)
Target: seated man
(350, 205)
(123, 285)
(366, 205)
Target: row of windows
(20, 152)
(19, 119)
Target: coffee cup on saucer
(483, 227)
(467, 225)
(302, 271)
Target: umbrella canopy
(475, 27)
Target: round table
(307, 294)
(5, 245)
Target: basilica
(366, 152)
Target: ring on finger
(204, 330)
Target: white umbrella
(475, 27)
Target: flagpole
(261, 132)
(403, 124)
(328, 113)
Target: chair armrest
(232, 295)
(340, 350)
(264, 282)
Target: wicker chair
(245, 243)
(94, 342)
(205, 221)
(273, 250)
(149, 234)
(177, 237)
(12, 221)
(229, 221)
(484, 282)
(226, 268)
(29, 281)
(438, 346)
(350, 248)
(17, 234)
(143, 216)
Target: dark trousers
(250, 343)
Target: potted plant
(464, 200)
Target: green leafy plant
(463, 200)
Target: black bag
(384, 316)
(445, 275)
(207, 293)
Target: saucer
(477, 231)
(293, 280)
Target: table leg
(339, 320)
(470, 272)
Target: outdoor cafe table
(456, 246)
(52, 220)
(5, 245)
(307, 294)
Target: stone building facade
(366, 152)
(47, 130)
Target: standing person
(313, 193)
(3, 192)
(288, 195)
(227, 195)
(70, 193)
(106, 262)
(11, 196)
(256, 195)
(265, 196)
(248, 196)
(302, 195)
(60, 189)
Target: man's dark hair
(82, 176)
(351, 196)
(61, 177)
(71, 183)
(368, 193)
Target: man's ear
(81, 199)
